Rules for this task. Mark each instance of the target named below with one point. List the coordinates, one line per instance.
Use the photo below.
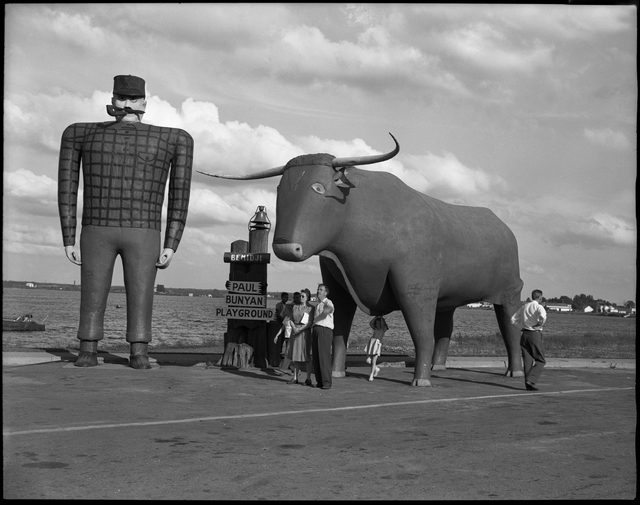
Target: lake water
(183, 321)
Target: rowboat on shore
(22, 323)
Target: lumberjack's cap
(128, 85)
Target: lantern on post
(260, 221)
(259, 226)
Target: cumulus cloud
(27, 185)
(483, 45)
(597, 232)
(447, 178)
(568, 22)
(75, 28)
(206, 208)
(563, 223)
(23, 238)
(607, 137)
(232, 147)
(376, 60)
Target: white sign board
(255, 314)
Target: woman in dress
(299, 350)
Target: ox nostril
(288, 251)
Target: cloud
(24, 238)
(26, 185)
(376, 61)
(571, 224)
(206, 208)
(232, 147)
(485, 46)
(607, 137)
(597, 232)
(447, 178)
(76, 29)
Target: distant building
(559, 307)
(30, 285)
(480, 305)
(160, 288)
(588, 309)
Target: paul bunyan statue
(125, 167)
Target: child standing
(373, 348)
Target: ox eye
(318, 188)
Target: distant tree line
(581, 301)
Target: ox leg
(511, 336)
(345, 309)
(420, 322)
(443, 328)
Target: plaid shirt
(125, 168)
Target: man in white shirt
(530, 318)
(322, 338)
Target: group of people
(307, 329)
(308, 337)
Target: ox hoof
(438, 367)
(139, 362)
(86, 359)
(514, 373)
(421, 383)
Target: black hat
(128, 85)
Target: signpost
(246, 300)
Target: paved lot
(198, 432)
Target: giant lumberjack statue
(125, 166)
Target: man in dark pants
(530, 318)
(125, 166)
(322, 338)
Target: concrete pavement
(190, 357)
(196, 431)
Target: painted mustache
(122, 111)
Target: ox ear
(345, 178)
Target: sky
(528, 110)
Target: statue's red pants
(139, 249)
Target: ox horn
(366, 160)
(272, 172)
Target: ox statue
(384, 246)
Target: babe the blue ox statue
(384, 246)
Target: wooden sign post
(245, 341)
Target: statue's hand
(165, 258)
(73, 254)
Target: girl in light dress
(373, 348)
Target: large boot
(88, 355)
(139, 358)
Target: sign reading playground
(245, 313)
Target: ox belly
(375, 299)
